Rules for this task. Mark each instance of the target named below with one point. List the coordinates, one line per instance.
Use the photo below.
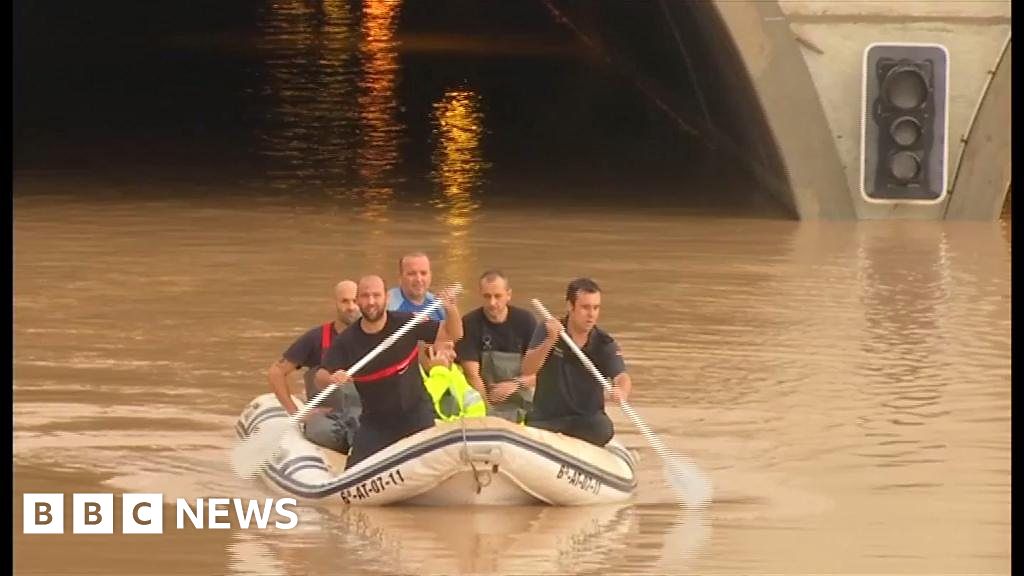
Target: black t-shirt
(307, 351)
(390, 386)
(564, 385)
(480, 334)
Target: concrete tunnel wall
(803, 64)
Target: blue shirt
(398, 303)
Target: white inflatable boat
(478, 461)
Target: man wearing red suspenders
(334, 423)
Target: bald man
(395, 401)
(334, 422)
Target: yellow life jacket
(452, 394)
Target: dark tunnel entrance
(644, 103)
(641, 101)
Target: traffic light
(905, 118)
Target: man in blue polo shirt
(568, 399)
(413, 294)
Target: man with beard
(495, 338)
(395, 401)
(567, 398)
(332, 424)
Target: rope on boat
(467, 459)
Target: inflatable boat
(477, 461)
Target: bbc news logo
(144, 513)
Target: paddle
(689, 484)
(251, 454)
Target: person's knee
(328, 432)
(549, 425)
(360, 446)
(368, 440)
(597, 429)
(356, 454)
(606, 429)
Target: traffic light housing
(904, 117)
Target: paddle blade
(250, 455)
(689, 483)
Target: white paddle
(689, 484)
(251, 454)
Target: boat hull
(473, 462)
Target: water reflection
(309, 134)
(458, 171)
(332, 121)
(905, 286)
(310, 544)
(684, 542)
(458, 165)
(377, 104)
(505, 540)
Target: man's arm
(278, 378)
(506, 388)
(468, 355)
(451, 328)
(614, 366)
(472, 370)
(322, 378)
(330, 371)
(622, 385)
(538, 354)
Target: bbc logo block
(142, 513)
(91, 513)
(43, 514)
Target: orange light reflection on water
(458, 169)
(378, 151)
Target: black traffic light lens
(905, 131)
(904, 166)
(905, 87)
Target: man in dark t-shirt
(394, 399)
(333, 423)
(495, 337)
(568, 399)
